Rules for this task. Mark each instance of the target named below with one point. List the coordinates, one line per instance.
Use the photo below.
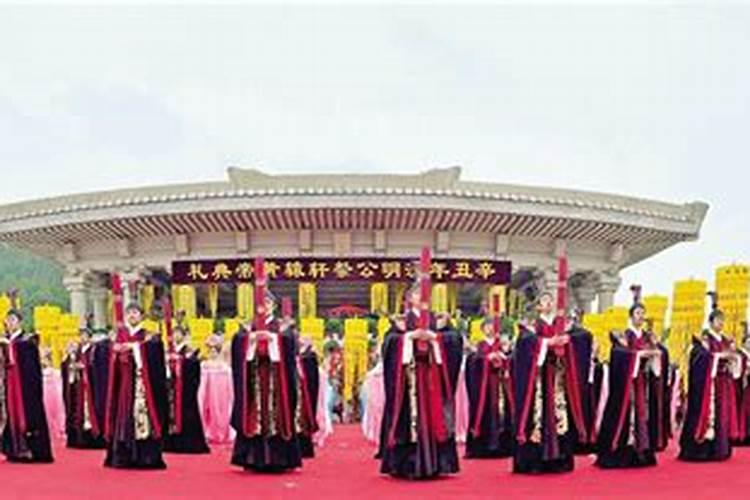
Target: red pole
(562, 290)
(496, 315)
(119, 309)
(167, 308)
(260, 294)
(286, 307)
(425, 264)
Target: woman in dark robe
(743, 393)
(583, 341)
(549, 416)
(490, 390)
(84, 378)
(307, 408)
(711, 418)
(25, 434)
(264, 372)
(185, 425)
(421, 370)
(136, 411)
(636, 419)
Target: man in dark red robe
(711, 418)
(136, 412)
(84, 378)
(490, 390)
(420, 374)
(636, 421)
(185, 434)
(23, 423)
(549, 416)
(264, 371)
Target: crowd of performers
(540, 399)
(544, 397)
(137, 399)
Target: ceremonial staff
(175, 366)
(425, 287)
(261, 314)
(119, 309)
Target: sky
(650, 101)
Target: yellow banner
(379, 298)
(308, 300)
(147, 299)
(440, 298)
(184, 299)
(213, 299)
(245, 301)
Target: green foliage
(334, 325)
(38, 280)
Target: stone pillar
(606, 289)
(547, 281)
(585, 295)
(77, 286)
(99, 298)
(584, 292)
(132, 281)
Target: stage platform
(345, 468)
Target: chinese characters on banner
(491, 272)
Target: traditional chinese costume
(742, 385)
(264, 372)
(711, 418)
(84, 381)
(25, 434)
(583, 345)
(491, 404)
(185, 430)
(136, 411)
(636, 421)
(420, 381)
(307, 407)
(549, 415)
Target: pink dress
(53, 403)
(462, 408)
(375, 392)
(215, 400)
(325, 427)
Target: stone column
(584, 292)
(547, 281)
(132, 281)
(77, 286)
(606, 289)
(585, 296)
(99, 298)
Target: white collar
(548, 318)
(132, 330)
(16, 334)
(716, 335)
(638, 331)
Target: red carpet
(345, 469)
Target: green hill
(38, 280)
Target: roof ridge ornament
(434, 178)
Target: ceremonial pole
(119, 309)
(425, 288)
